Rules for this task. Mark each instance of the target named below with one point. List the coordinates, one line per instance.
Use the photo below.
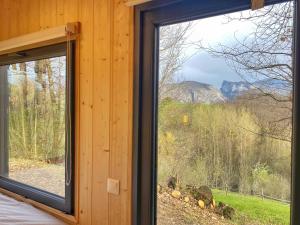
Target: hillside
(194, 92)
(197, 92)
(231, 90)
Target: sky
(58, 65)
(202, 66)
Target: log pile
(197, 196)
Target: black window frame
(148, 18)
(66, 203)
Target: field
(251, 208)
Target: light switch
(113, 186)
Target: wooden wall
(104, 95)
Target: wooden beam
(135, 2)
(257, 4)
(38, 39)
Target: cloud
(213, 31)
(204, 68)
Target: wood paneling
(103, 91)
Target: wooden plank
(3, 17)
(13, 11)
(28, 40)
(71, 8)
(33, 40)
(86, 112)
(135, 2)
(101, 110)
(48, 14)
(43, 14)
(120, 209)
(60, 12)
(34, 12)
(23, 12)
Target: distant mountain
(272, 85)
(231, 90)
(194, 92)
(197, 92)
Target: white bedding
(13, 212)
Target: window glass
(35, 95)
(225, 119)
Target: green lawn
(251, 208)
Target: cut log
(201, 204)
(202, 193)
(176, 194)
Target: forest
(223, 146)
(37, 110)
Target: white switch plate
(113, 186)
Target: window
(37, 125)
(216, 111)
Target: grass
(252, 208)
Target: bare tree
(172, 53)
(264, 59)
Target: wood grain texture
(120, 98)
(101, 110)
(103, 96)
(36, 39)
(86, 110)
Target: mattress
(13, 212)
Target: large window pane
(36, 98)
(225, 119)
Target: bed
(13, 212)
